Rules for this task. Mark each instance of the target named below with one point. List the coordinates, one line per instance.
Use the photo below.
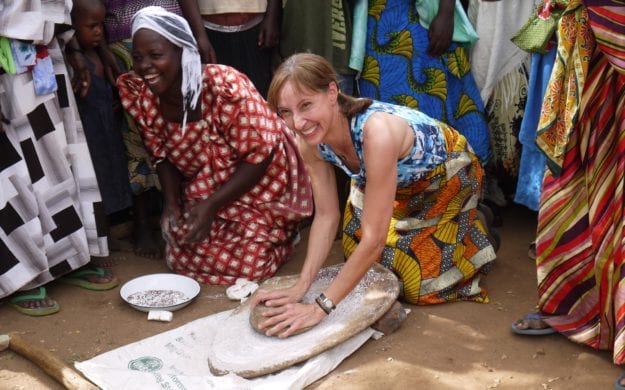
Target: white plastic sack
(178, 359)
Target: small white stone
(241, 289)
(160, 315)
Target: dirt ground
(461, 345)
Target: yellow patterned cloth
(435, 244)
(560, 108)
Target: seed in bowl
(157, 298)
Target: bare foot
(91, 278)
(99, 278)
(147, 244)
(103, 262)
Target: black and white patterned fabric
(51, 217)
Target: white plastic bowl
(187, 286)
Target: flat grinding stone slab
(238, 348)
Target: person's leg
(240, 50)
(118, 224)
(146, 244)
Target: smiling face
(158, 62)
(88, 23)
(309, 113)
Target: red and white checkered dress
(254, 234)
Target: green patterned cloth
(536, 33)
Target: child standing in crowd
(100, 111)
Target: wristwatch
(325, 303)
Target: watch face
(321, 305)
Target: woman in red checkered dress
(233, 182)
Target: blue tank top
(428, 150)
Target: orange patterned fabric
(254, 234)
(435, 244)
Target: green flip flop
(78, 278)
(37, 312)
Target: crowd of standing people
(388, 124)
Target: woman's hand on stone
(279, 297)
(284, 321)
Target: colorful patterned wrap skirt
(435, 244)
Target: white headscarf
(175, 29)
